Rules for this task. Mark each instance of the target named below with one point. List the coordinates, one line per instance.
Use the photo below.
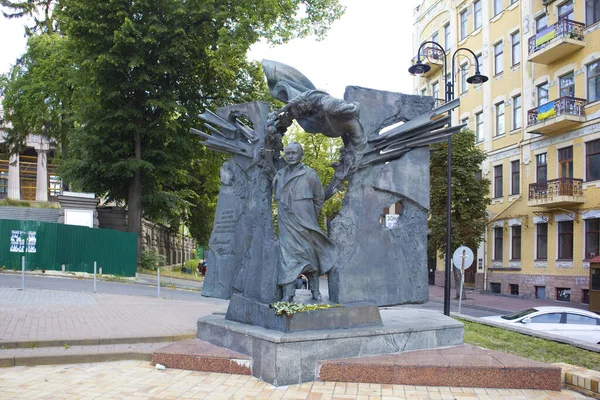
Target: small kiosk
(595, 284)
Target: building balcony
(432, 56)
(556, 192)
(556, 41)
(556, 116)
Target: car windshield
(519, 314)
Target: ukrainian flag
(545, 35)
(546, 111)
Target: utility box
(595, 284)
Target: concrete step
(459, 366)
(26, 344)
(583, 380)
(77, 354)
(198, 355)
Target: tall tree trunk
(134, 204)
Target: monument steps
(198, 355)
(458, 366)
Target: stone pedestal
(353, 315)
(290, 358)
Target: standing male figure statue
(303, 247)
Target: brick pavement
(38, 315)
(138, 380)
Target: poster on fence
(21, 241)
(17, 242)
(31, 241)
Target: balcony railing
(563, 106)
(564, 28)
(556, 187)
(439, 103)
(431, 55)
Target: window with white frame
(593, 81)
(463, 24)
(592, 238)
(477, 15)
(541, 22)
(499, 107)
(498, 58)
(497, 7)
(434, 37)
(515, 177)
(480, 62)
(447, 41)
(498, 232)
(517, 117)
(542, 94)
(592, 160)
(541, 241)
(541, 168)
(464, 70)
(479, 127)
(498, 181)
(515, 233)
(565, 240)
(566, 85)
(592, 11)
(565, 10)
(515, 42)
(435, 90)
(465, 121)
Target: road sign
(463, 257)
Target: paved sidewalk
(41, 315)
(138, 380)
(496, 302)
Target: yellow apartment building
(538, 120)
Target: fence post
(158, 282)
(94, 276)
(22, 272)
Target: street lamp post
(419, 69)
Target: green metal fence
(75, 247)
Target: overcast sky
(370, 46)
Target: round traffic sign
(463, 257)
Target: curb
(83, 358)
(481, 308)
(95, 342)
(529, 332)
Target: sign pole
(158, 282)
(95, 276)
(462, 259)
(22, 272)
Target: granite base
(290, 358)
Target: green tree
(38, 93)
(38, 10)
(151, 66)
(470, 195)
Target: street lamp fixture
(419, 68)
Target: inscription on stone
(224, 227)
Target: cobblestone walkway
(139, 380)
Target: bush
(192, 264)
(150, 259)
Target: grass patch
(167, 272)
(31, 204)
(529, 346)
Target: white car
(563, 321)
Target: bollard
(158, 281)
(94, 276)
(22, 272)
